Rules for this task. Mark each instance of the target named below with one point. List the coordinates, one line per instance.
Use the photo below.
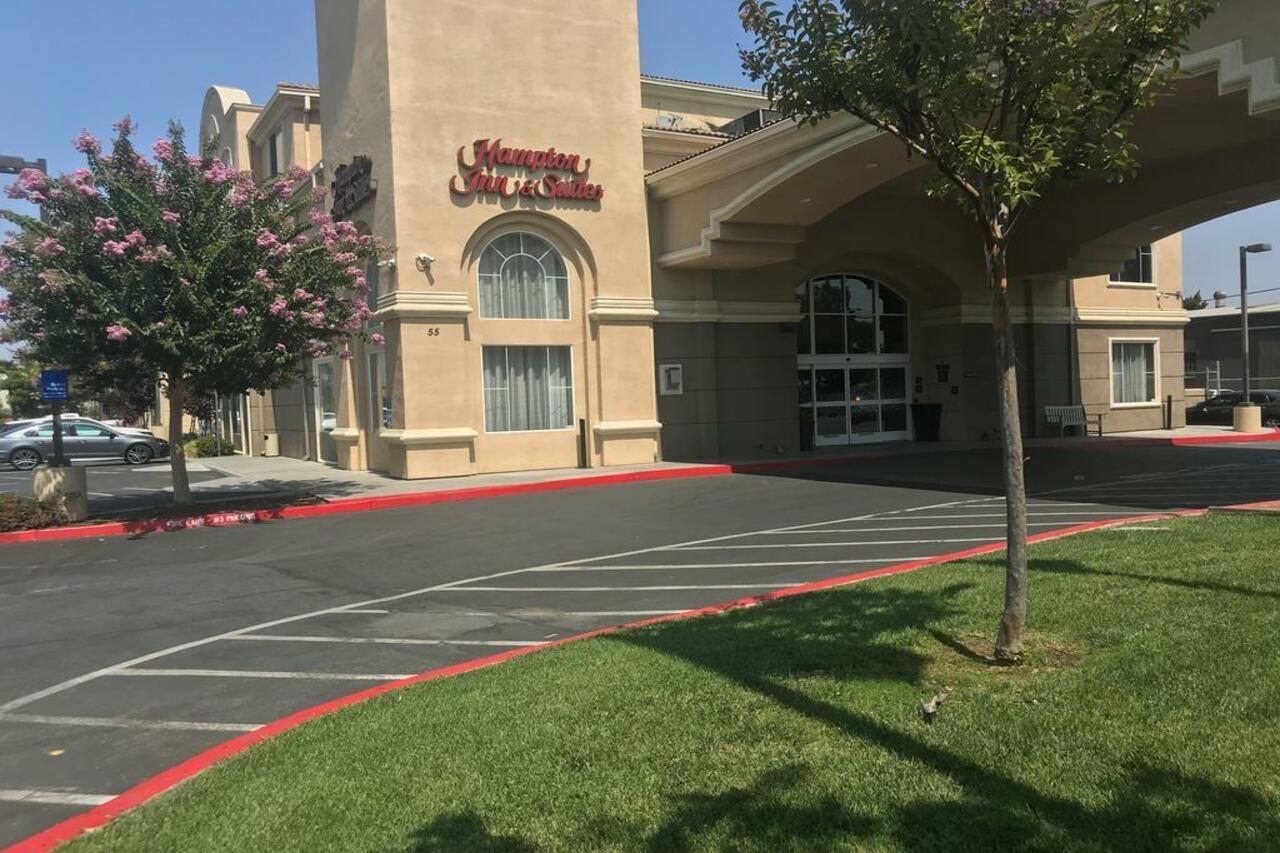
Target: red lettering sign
(548, 174)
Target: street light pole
(1245, 252)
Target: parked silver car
(24, 449)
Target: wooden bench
(1066, 416)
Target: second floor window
(1140, 269)
(275, 155)
(523, 277)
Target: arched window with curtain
(523, 277)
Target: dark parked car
(24, 449)
(1217, 410)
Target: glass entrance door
(853, 362)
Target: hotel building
(594, 267)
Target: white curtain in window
(1133, 372)
(527, 388)
(523, 277)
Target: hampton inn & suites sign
(492, 169)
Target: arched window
(522, 277)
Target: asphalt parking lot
(126, 656)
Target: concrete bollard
(69, 484)
(1247, 419)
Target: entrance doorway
(326, 412)
(853, 362)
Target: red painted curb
(143, 791)
(343, 506)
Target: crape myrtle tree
(1004, 98)
(179, 269)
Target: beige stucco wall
(392, 94)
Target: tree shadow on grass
(1151, 808)
(1072, 567)
(465, 832)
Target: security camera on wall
(423, 261)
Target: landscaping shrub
(209, 445)
(22, 513)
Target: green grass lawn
(1146, 717)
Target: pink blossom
(344, 257)
(52, 281)
(319, 217)
(298, 173)
(280, 347)
(262, 276)
(87, 190)
(377, 339)
(135, 238)
(267, 238)
(114, 248)
(219, 173)
(240, 311)
(105, 225)
(125, 126)
(284, 189)
(117, 333)
(360, 283)
(346, 229)
(80, 176)
(301, 240)
(163, 149)
(194, 160)
(320, 303)
(5, 264)
(87, 143)
(47, 248)
(31, 185)
(6, 306)
(279, 250)
(301, 294)
(170, 217)
(354, 271)
(280, 308)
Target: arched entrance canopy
(1206, 150)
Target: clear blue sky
(153, 59)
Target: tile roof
(741, 89)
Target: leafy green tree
(179, 267)
(1004, 98)
(21, 380)
(1194, 302)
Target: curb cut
(166, 780)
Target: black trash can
(928, 421)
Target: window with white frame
(1134, 373)
(523, 277)
(1140, 269)
(527, 388)
(381, 410)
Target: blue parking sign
(54, 385)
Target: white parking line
(367, 611)
(54, 798)
(676, 566)
(863, 542)
(252, 673)
(994, 525)
(124, 723)
(405, 641)
(70, 683)
(617, 588)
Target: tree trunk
(177, 453)
(1013, 621)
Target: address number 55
(433, 333)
